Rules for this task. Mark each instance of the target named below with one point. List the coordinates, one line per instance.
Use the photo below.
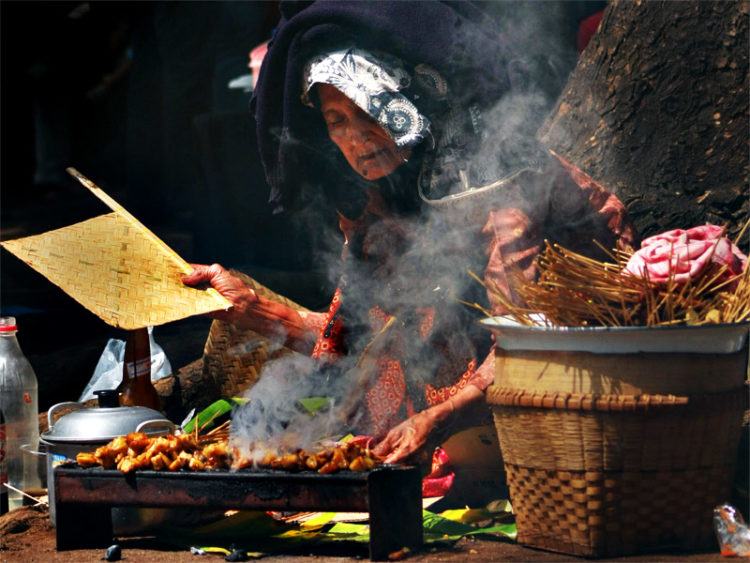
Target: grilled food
(341, 456)
(170, 453)
(183, 451)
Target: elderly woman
(442, 183)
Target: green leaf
(437, 525)
(437, 528)
(213, 411)
(506, 530)
(467, 515)
(347, 531)
(312, 405)
(222, 551)
(247, 523)
(265, 534)
(294, 537)
(219, 550)
(318, 521)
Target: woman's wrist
(446, 415)
(442, 414)
(285, 322)
(276, 321)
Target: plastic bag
(731, 531)
(108, 371)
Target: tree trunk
(657, 112)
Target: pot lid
(102, 424)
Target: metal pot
(85, 429)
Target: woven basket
(234, 357)
(599, 464)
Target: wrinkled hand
(242, 298)
(410, 438)
(251, 311)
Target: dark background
(134, 95)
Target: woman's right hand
(252, 311)
(244, 300)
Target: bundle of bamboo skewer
(574, 290)
(218, 434)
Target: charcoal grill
(390, 493)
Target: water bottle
(3, 470)
(19, 411)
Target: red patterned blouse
(510, 225)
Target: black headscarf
(456, 38)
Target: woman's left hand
(425, 430)
(408, 438)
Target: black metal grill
(390, 493)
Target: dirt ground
(26, 535)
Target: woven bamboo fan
(116, 268)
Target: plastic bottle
(3, 468)
(136, 387)
(18, 403)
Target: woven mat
(117, 271)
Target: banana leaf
(313, 405)
(207, 418)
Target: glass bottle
(19, 408)
(136, 386)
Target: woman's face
(366, 146)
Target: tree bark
(657, 112)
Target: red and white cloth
(683, 255)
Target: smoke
(409, 264)
(541, 46)
(274, 415)
(413, 266)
